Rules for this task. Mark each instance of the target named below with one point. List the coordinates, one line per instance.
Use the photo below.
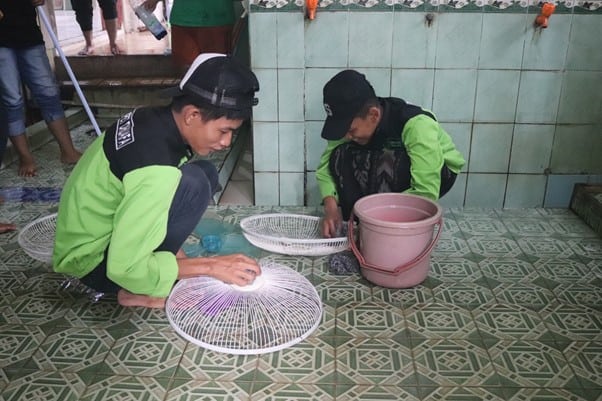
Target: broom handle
(44, 17)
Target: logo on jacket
(124, 131)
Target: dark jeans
(359, 171)
(198, 183)
(83, 12)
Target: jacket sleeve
(326, 183)
(421, 139)
(140, 226)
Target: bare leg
(60, 130)
(111, 25)
(126, 298)
(89, 48)
(6, 227)
(27, 166)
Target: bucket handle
(398, 269)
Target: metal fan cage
(290, 234)
(280, 309)
(37, 238)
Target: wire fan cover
(37, 238)
(280, 309)
(290, 234)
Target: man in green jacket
(132, 199)
(378, 145)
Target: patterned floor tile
(573, 322)
(494, 247)
(453, 363)
(44, 386)
(403, 297)
(530, 295)
(509, 322)
(35, 309)
(327, 325)
(337, 293)
(468, 295)
(263, 391)
(456, 270)
(145, 354)
(300, 264)
(451, 247)
(482, 226)
(310, 361)
(508, 270)
(202, 364)
(546, 247)
(528, 227)
(586, 360)
(531, 364)
(369, 319)
(580, 294)
(440, 321)
(373, 393)
(374, 361)
(549, 394)
(565, 271)
(194, 390)
(571, 227)
(126, 388)
(106, 314)
(18, 343)
(74, 350)
(462, 393)
(587, 248)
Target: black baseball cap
(218, 80)
(344, 96)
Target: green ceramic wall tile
(312, 192)
(291, 142)
(266, 189)
(581, 98)
(265, 145)
(525, 190)
(458, 40)
(315, 79)
(454, 95)
(368, 46)
(414, 41)
(497, 92)
(572, 152)
(538, 96)
(485, 190)
(379, 78)
(263, 42)
(327, 40)
(314, 144)
(414, 86)
(291, 40)
(531, 148)
(267, 108)
(490, 148)
(291, 189)
(584, 45)
(455, 196)
(502, 41)
(290, 94)
(546, 49)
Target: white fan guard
(37, 238)
(290, 234)
(280, 309)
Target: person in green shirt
(378, 145)
(135, 196)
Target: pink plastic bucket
(395, 238)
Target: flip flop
(85, 52)
(115, 51)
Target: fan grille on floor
(279, 310)
(37, 238)
(290, 234)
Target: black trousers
(359, 171)
(198, 183)
(83, 12)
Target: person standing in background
(23, 59)
(197, 27)
(83, 15)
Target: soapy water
(213, 237)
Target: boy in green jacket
(378, 145)
(132, 199)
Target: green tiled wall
(523, 105)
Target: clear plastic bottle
(148, 18)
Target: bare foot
(86, 51)
(126, 298)
(115, 50)
(6, 227)
(27, 167)
(71, 157)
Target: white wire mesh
(290, 234)
(279, 310)
(37, 238)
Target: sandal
(115, 51)
(86, 51)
